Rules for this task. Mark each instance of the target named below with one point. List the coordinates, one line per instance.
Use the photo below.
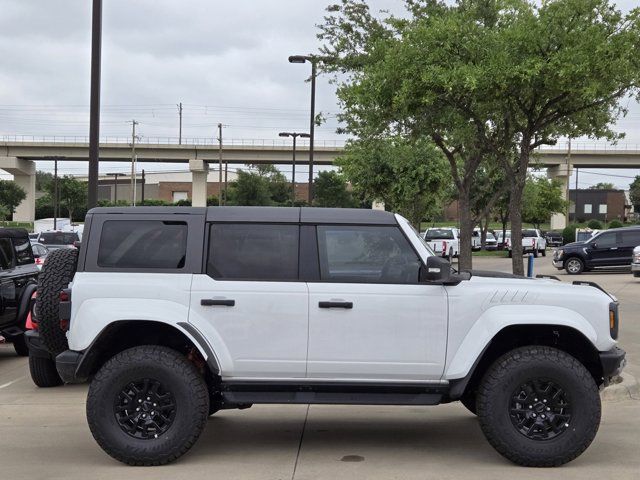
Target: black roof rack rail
(551, 277)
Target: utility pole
(143, 182)
(133, 162)
(180, 129)
(568, 186)
(115, 188)
(575, 215)
(312, 126)
(220, 202)
(55, 194)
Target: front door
(250, 304)
(369, 318)
(605, 249)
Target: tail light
(65, 309)
(39, 261)
(444, 247)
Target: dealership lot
(44, 432)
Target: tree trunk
(515, 206)
(466, 231)
(483, 233)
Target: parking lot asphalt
(44, 435)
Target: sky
(226, 62)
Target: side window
(266, 252)
(24, 255)
(606, 240)
(151, 244)
(354, 254)
(7, 259)
(631, 238)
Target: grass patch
(27, 225)
(490, 253)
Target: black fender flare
(25, 304)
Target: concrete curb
(627, 388)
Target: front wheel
(147, 406)
(543, 252)
(539, 406)
(43, 372)
(20, 346)
(574, 266)
(636, 274)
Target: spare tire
(57, 271)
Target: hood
(575, 244)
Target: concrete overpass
(17, 155)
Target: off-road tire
(181, 378)
(20, 346)
(535, 253)
(543, 252)
(57, 271)
(43, 372)
(522, 365)
(636, 274)
(569, 262)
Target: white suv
(176, 313)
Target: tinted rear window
(437, 233)
(7, 259)
(253, 252)
(59, 238)
(24, 255)
(143, 244)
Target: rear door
(250, 303)
(369, 318)
(630, 239)
(17, 269)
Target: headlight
(559, 253)
(636, 258)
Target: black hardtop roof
(13, 233)
(264, 214)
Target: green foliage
(183, 203)
(330, 190)
(594, 224)
(264, 186)
(603, 186)
(615, 224)
(73, 196)
(634, 193)
(43, 180)
(11, 195)
(569, 233)
(541, 199)
(213, 201)
(4, 212)
(408, 176)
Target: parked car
(476, 240)
(58, 239)
(635, 263)
(444, 241)
(584, 234)
(554, 239)
(609, 248)
(532, 242)
(40, 253)
(18, 280)
(503, 242)
(175, 313)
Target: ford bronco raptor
(175, 313)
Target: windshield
(508, 234)
(58, 238)
(439, 234)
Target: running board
(334, 393)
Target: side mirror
(437, 270)
(594, 246)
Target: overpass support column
(561, 173)
(24, 174)
(199, 172)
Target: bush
(183, 203)
(569, 233)
(615, 224)
(594, 224)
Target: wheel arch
(123, 334)
(562, 337)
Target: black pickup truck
(18, 281)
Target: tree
(603, 186)
(409, 176)
(43, 180)
(634, 193)
(330, 190)
(11, 195)
(249, 189)
(4, 212)
(72, 194)
(485, 79)
(541, 199)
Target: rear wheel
(147, 406)
(543, 252)
(574, 266)
(43, 372)
(636, 274)
(539, 406)
(57, 271)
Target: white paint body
(393, 333)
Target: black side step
(334, 393)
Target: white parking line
(10, 383)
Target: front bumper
(612, 361)
(635, 267)
(69, 366)
(559, 264)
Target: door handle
(211, 302)
(335, 304)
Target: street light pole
(295, 135)
(314, 69)
(94, 115)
